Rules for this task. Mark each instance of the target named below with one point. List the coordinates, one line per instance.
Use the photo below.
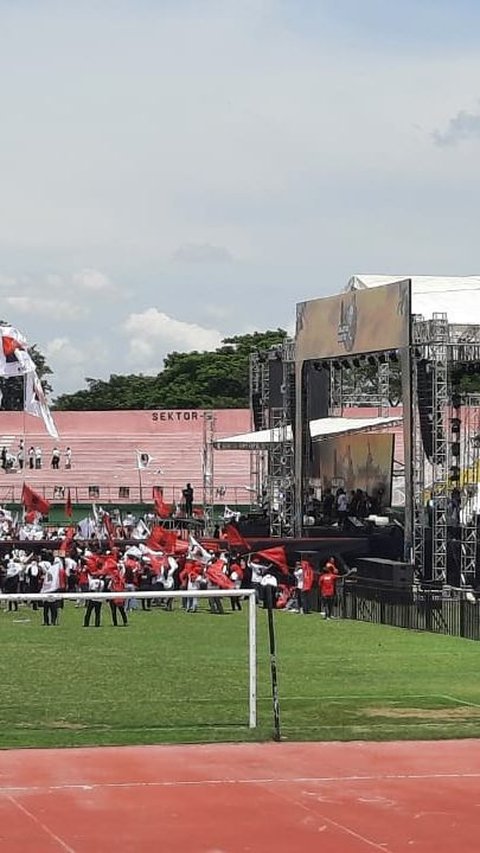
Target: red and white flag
(35, 402)
(14, 357)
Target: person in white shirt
(38, 458)
(298, 574)
(256, 570)
(51, 583)
(168, 578)
(68, 458)
(94, 604)
(342, 508)
(12, 581)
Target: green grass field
(177, 677)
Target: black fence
(448, 611)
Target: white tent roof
(456, 296)
(319, 429)
(327, 427)
(252, 440)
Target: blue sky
(173, 172)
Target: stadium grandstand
(104, 449)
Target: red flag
(277, 556)
(235, 538)
(162, 509)
(181, 547)
(161, 539)
(66, 543)
(33, 501)
(68, 505)
(215, 545)
(216, 575)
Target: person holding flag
(117, 584)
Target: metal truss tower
(467, 420)
(208, 471)
(440, 439)
(259, 406)
(418, 481)
(281, 474)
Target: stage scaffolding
(445, 463)
(468, 512)
(281, 474)
(446, 451)
(259, 409)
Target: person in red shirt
(327, 584)
(306, 592)
(117, 584)
(236, 570)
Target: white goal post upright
(199, 594)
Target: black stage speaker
(317, 378)
(392, 572)
(257, 410)
(275, 381)
(425, 403)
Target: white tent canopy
(456, 296)
(329, 427)
(259, 440)
(319, 429)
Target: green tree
(189, 380)
(12, 389)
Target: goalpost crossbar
(166, 594)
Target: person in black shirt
(188, 497)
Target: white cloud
(55, 309)
(61, 349)
(152, 334)
(218, 312)
(72, 363)
(463, 126)
(93, 280)
(202, 253)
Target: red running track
(422, 797)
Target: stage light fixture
(337, 365)
(455, 448)
(455, 473)
(356, 362)
(372, 360)
(455, 424)
(393, 356)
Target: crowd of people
(86, 570)
(334, 508)
(12, 459)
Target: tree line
(193, 380)
(219, 379)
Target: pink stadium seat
(103, 448)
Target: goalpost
(248, 594)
